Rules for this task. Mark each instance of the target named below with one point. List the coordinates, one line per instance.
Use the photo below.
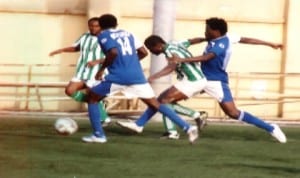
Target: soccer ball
(65, 126)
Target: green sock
(168, 124)
(79, 96)
(185, 111)
(103, 113)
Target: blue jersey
(126, 68)
(215, 69)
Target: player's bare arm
(197, 40)
(95, 62)
(254, 41)
(142, 52)
(165, 71)
(109, 58)
(204, 57)
(65, 50)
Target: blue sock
(246, 117)
(145, 117)
(165, 110)
(94, 115)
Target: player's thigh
(151, 102)
(218, 90)
(190, 88)
(139, 91)
(143, 92)
(103, 88)
(171, 95)
(99, 91)
(73, 87)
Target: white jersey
(90, 50)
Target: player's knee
(164, 100)
(69, 91)
(233, 114)
(93, 98)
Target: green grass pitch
(30, 148)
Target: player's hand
(91, 63)
(175, 59)
(99, 75)
(276, 46)
(151, 79)
(54, 53)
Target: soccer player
(213, 64)
(191, 81)
(90, 51)
(122, 54)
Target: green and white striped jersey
(90, 50)
(191, 70)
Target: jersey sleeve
(168, 53)
(78, 41)
(106, 43)
(137, 43)
(185, 43)
(234, 38)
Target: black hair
(217, 24)
(108, 21)
(152, 40)
(93, 19)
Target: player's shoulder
(86, 34)
(82, 37)
(179, 44)
(114, 33)
(233, 37)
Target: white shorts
(106, 88)
(88, 83)
(218, 90)
(190, 88)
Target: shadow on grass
(290, 170)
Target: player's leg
(164, 98)
(146, 94)
(183, 90)
(199, 117)
(105, 120)
(222, 93)
(230, 109)
(96, 94)
(165, 110)
(170, 127)
(73, 90)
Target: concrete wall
(30, 31)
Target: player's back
(178, 48)
(126, 68)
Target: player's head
(155, 44)
(94, 26)
(107, 21)
(215, 27)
